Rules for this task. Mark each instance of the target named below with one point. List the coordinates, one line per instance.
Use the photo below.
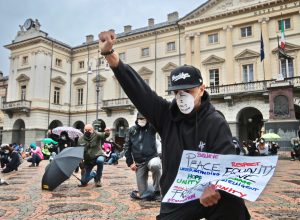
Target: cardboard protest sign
(242, 176)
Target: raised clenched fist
(106, 41)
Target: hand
(106, 41)
(107, 131)
(210, 196)
(133, 167)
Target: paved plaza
(24, 199)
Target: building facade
(53, 84)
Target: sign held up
(242, 176)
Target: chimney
(150, 22)
(173, 16)
(127, 28)
(89, 38)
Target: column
(197, 61)
(188, 50)
(266, 62)
(229, 77)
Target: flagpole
(279, 77)
(262, 53)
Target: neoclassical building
(53, 84)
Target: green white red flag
(282, 38)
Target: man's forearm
(113, 59)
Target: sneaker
(82, 185)
(98, 183)
(3, 182)
(32, 165)
(135, 195)
(292, 159)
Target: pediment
(145, 71)
(213, 60)
(79, 81)
(58, 80)
(102, 79)
(214, 8)
(169, 67)
(288, 48)
(247, 54)
(22, 78)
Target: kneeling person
(142, 157)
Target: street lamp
(97, 90)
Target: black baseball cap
(185, 77)
(140, 116)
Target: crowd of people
(258, 147)
(189, 122)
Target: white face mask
(142, 122)
(185, 102)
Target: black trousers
(229, 207)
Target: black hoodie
(140, 145)
(205, 130)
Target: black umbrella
(62, 167)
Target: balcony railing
(249, 87)
(117, 104)
(16, 106)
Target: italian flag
(282, 39)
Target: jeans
(113, 158)
(35, 159)
(88, 170)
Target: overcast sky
(70, 21)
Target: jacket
(37, 151)
(92, 146)
(140, 144)
(203, 130)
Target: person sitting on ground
(14, 160)
(36, 155)
(114, 150)
(252, 148)
(237, 146)
(245, 148)
(142, 156)
(93, 155)
(263, 147)
(4, 155)
(295, 152)
(107, 150)
(273, 149)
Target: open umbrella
(271, 136)
(72, 132)
(49, 141)
(62, 167)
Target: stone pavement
(24, 199)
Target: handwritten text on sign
(242, 176)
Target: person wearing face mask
(263, 147)
(295, 152)
(142, 157)
(64, 141)
(14, 159)
(93, 154)
(189, 122)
